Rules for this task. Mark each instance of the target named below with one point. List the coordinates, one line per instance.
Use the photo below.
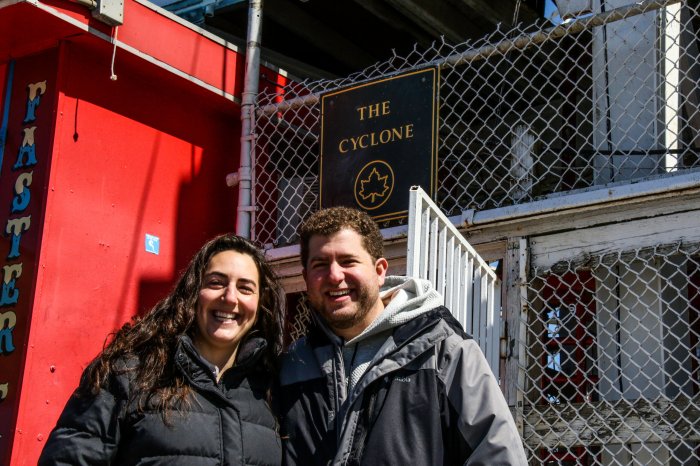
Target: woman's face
(227, 305)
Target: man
(385, 375)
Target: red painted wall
(145, 154)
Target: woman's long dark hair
(146, 346)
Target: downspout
(250, 92)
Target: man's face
(342, 282)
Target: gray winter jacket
(426, 396)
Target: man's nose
(335, 272)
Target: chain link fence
(612, 347)
(524, 114)
(612, 353)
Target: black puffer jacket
(228, 423)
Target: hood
(404, 298)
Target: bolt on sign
(378, 139)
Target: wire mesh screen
(524, 114)
(299, 316)
(612, 353)
(613, 359)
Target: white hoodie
(404, 298)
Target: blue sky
(550, 11)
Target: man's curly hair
(327, 222)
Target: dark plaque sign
(377, 140)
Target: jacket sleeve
(481, 429)
(87, 432)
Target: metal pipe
(526, 40)
(502, 48)
(250, 91)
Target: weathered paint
(28, 100)
(547, 250)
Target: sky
(550, 12)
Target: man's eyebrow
(321, 257)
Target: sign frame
(383, 134)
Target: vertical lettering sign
(377, 140)
(26, 124)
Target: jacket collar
(319, 334)
(199, 371)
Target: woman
(188, 383)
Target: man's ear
(381, 265)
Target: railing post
(438, 252)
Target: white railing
(438, 252)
